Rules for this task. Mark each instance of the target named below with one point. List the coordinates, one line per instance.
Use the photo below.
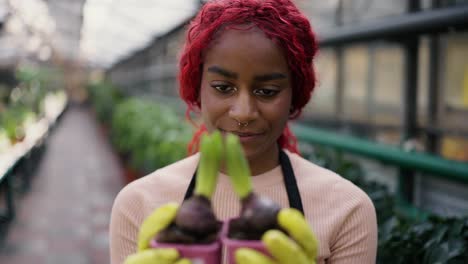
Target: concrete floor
(64, 217)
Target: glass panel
(358, 11)
(441, 196)
(456, 72)
(423, 81)
(454, 99)
(426, 4)
(389, 74)
(324, 15)
(356, 59)
(377, 171)
(455, 148)
(446, 3)
(323, 97)
(174, 46)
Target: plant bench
(20, 158)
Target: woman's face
(246, 79)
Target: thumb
(155, 222)
(152, 256)
(250, 256)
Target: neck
(260, 164)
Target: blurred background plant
(403, 238)
(147, 134)
(104, 98)
(22, 102)
(152, 135)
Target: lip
(244, 136)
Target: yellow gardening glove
(156, 256)
(157, 221)
(301, 249)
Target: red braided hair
(281, 21)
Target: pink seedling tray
(231, 245)
(206, 254)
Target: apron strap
(191, 186)
(289, 178)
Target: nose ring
(240, 124)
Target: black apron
(289, 181)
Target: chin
(251, 152)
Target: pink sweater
(340, 214)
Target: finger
(294, 222)
(151, 256)
(250, 256)
(155, 222)
(183, 261)
(284, 249)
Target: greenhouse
(96, 106)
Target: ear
(197, 103)
(292, 112)
(196, 107)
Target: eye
(264, 92)
(223, 88)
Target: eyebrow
(270, 77)
(258, 78)
(221, 71)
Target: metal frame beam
(406, 179)
(433, 93)
(427, 163)
(418, 23)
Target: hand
(301, 249)
(156, 256)
(157, 221)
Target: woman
(247, 68)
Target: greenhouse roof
(102, 32)
(98, 32)
(112, 29)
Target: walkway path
(64, 218)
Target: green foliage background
(423, 239)
(154, 135)
(25, 100)
(148, 134)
